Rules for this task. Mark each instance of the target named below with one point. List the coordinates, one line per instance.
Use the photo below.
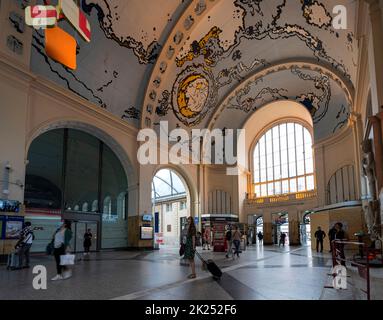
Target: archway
(305, 228)
(171, 203)
(73, 175)
(280, 226)
(259, 230)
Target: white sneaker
(57, 277)
(67, 274)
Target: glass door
(79, 228)
(79, 236)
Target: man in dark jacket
(320, 235)
(340, 235)
(331, 236)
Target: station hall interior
(298, 87)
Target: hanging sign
(76, 17)
(60, 46)
(41, 16)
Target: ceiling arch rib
(239, 40)
(194, 13)
(254, 79)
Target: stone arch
(94, 131)
(307, 64)
(191, 189)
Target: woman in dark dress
(87, 242)
(190, 246)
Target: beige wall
(331, 155)
(351, 217)
(13, 117)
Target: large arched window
(283, 161)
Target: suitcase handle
(200, 257)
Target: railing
(253, 199)
(361, 256)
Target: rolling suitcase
(13, 261)
(211, 266)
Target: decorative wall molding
(188, 21)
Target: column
(378, 148)
(267, 228)
(294, 226)
(375, 55)
(355, 121)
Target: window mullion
(280, 155)
(272, 160)
(304, 154)
(296, 162)
(288, 160)
(267, 178)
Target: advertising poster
(146, 233)
(13, 227)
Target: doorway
(305, 229)
(170, 207)
(280, 225)
(79, 228)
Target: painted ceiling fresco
(235, 40)
(241, 37)
(126, 39)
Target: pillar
(375, 54)
(294, 226)
(378, 149)
(267, 228)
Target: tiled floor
(261, 273)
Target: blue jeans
(236, 245)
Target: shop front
(217, 224)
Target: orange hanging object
(61, 47)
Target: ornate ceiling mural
(314, 90)
(240, 38)
(126, 39)
(218, 52)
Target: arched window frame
(262, 133)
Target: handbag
(67, 259)
(182, 249)
(49, 249)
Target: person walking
(260, 237)
(229, 242)
(24, 245)
(282, 239)
(340, 235)
(331, 236)
(319, 235)
(236, 240)
(190, 246)
(87, 242)
(61, 240)
(206, 237)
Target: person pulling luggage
(190, 246)
(22, 248)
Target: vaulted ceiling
(211, 62)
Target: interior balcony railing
(303, 195)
